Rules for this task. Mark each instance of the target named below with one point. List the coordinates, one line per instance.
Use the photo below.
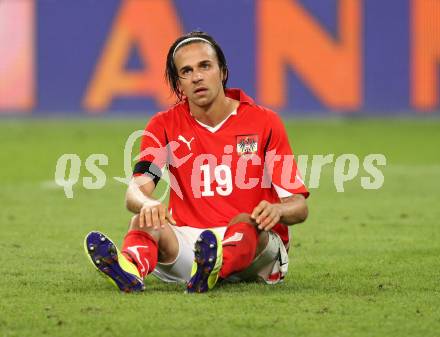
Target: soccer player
(235, 187)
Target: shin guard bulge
(141, 248)
(239, 247)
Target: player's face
(200, 77)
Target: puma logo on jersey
(188, 143)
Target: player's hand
(155, 216)
(266, 215)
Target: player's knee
(134, 223)
(242, 217)
(263, 237)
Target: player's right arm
(147, 172)
(139, 200)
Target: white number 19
(223, 177)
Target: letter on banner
(425, 54)
(288, 36)
(17, 56)
(151, 26)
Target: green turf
(366, 262)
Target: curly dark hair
(171, 74)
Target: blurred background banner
(299, 57)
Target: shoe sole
(104, 256)
(205, 256)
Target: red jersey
(217, 173)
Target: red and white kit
(218, 172)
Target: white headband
(189, 40)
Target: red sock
(141, 249)
(239, 247)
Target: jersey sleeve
(153, 156)
(280, 164)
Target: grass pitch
(366, 262)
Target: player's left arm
(291, 210)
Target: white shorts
(269, 266)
